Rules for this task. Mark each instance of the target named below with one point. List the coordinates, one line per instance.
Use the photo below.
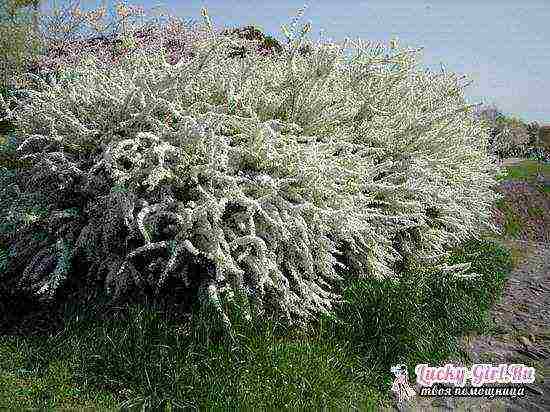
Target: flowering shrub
(276, 175)
(510, 137)
(267, 45)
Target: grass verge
(524, 212)
(140, 359)
(527, 171)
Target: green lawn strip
(527, 171)
(23, 385)
(159, 369)
(344, 364)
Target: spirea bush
(284, 177)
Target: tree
(16, 45)
(15, 5)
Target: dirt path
(521, 334)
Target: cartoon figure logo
(401, 383)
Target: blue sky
(502, 45)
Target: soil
(530, 209)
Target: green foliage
(3, 260)
(18, 41)
(535, 211)
(8, 156)
(512, 221)
(489, 258)
(262, 373)
(24, 386)
(418, 319)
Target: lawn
(527, 171)
(142, 358)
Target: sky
(502, 45)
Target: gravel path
(521, 335)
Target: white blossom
(367, 156)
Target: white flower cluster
(368, 158)
(511, 141)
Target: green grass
(512, 221)
(343, 363)
(526, 171)
(535, 211)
